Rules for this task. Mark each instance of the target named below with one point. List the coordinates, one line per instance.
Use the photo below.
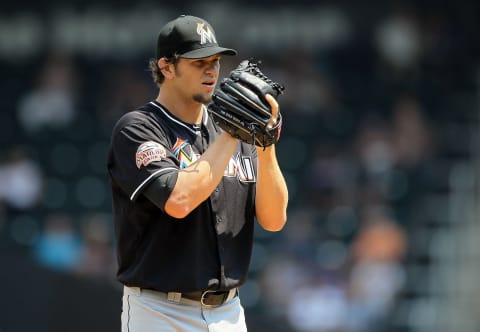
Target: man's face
(197, 78)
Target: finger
(275, 110)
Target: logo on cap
(205, 33)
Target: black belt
(207, 298)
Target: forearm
(272, 194)
(197, 182)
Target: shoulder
(138, 126)
(142, 118)
(142, 115)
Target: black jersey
(208, 249)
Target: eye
(202, 63)
(199, 63)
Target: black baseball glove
(239, 106)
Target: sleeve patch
(149, 152)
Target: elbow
(177, 212)
(276, 228)
(275, 225)
(178, 207)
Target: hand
(275, 110)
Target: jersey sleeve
(138, 155)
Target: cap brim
(208, 51)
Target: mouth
(209, 84)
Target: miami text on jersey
(239, 166)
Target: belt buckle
(202, 299)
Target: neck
(188, 111)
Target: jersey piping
(171, 118)
(205, 116)
(148, 179)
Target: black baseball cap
(189, 37)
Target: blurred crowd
(359, 148)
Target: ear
(167, 68)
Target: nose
(213, 67)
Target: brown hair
(157, 75)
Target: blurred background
(379, 148)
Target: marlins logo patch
(149, 152)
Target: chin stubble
(202, 98)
